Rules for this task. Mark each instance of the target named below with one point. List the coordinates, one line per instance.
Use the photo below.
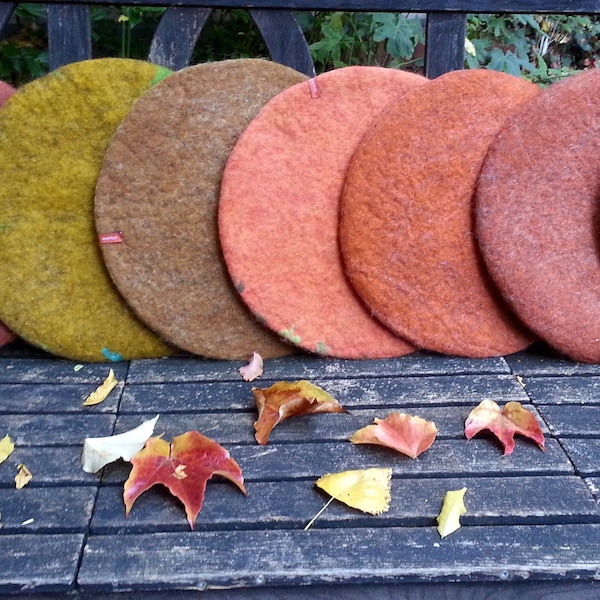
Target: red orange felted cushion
(407, 224)
(159, 186)
(537, 215)
(53, 133)
(278, 212)
(6, 336)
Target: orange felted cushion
(537, 215)
(407, 224)
(278, 213)
(159, 187)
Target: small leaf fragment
(453, 507)
(6, 448)
(99, 451)
(367, 490)
(410, 435)
(183, 467)
(286, 399)
(253, 369)
(504, 424)
(23, 476)
(100, 394)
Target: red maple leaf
(504, 424)
(399, 431)
(286, 399)
(183, 467)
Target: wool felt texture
(537, 215)
(6, 336)
(406, 224)
(159, 186)
(278, 213)
(53, 134)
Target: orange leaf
(504, 424)
(289, 399)
(183, 467)
(399, 431)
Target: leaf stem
(310, 523)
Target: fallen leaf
(504, 424)
(184, 467)
(365, 489)
(253, 369)
(6, 448)
(98, 452)
(453, 507)
(407, 434)
(102, 391)
(23, 476)
(289, 399)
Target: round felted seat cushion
(159, 186)
(406, 223)
(278, 213)
(537, 215)
(53, 134)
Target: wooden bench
(533, 523)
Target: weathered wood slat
(574, 390)
(445, 49)
(542, 361)
(56, 371)
(39, 562)
(6, 11)
(69, 33)
(48, 398)
(290, 505)
(51, 510)
(570, 420)
(393, 393)
(196, 560)
(466, 6)
(184, 369)
(585, 454)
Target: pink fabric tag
(314, 88)
(111, 238)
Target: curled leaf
(6, 448)
(504, 424)
(23, 476)
(449, 518)
(407, 434)
(184, 467)
(365, 489)
(99, 451)
(100, 394)
(253, 369)
(289, 399)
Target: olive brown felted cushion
(538, 216)
(159, 187)
(406, 224)
(53, 134)
(278, 213)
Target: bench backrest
(69, 26)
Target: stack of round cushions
(407, 215)
(538, 215)
(278, 212)
(159, 187)
(6, 336)
(53, 134)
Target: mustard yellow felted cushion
(53, 134)
(159, 186)
(278, 214)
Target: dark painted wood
(569, 420)
(540, 360)
(6, 11)
(574, 390)
(284, 39)
(465, 6)
(196, 560)
(69, 33)
(585, 454)
(176, 36)
(445, 49)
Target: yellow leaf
(23, 476)
(366, 489)
(102, 392)
(6, 448)
(453, 507)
